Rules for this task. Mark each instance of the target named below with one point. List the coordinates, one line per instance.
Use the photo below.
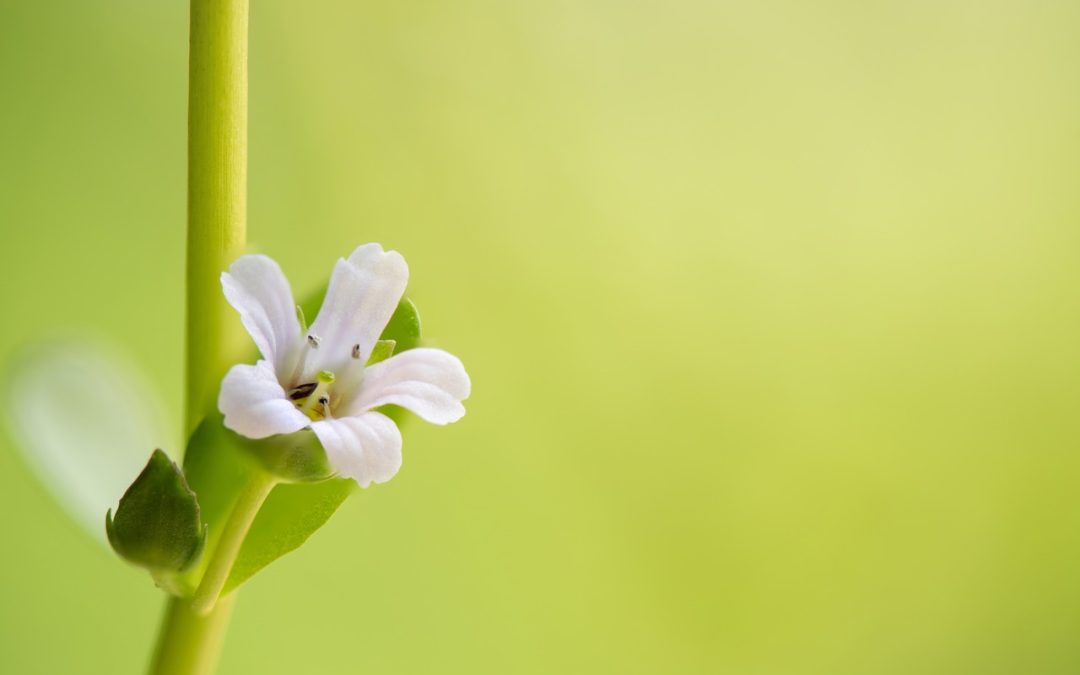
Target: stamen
(301, 319)
(312, 342)
(356, 351)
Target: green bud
(157, 524)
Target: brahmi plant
(276, 440)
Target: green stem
(217, 190)
(232, 538)
(189, 643)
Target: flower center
(313, 398)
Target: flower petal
(254, 404)
(366, 448)
(430, 382)
(258, 289)
(363, 293)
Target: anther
(313, 340)
(356, 351)
(302, 391)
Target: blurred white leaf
(86, 421)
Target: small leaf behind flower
(404, 327)
(157, 524)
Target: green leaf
(83, 418)
(158, 524)
(291, 514)
(404, 326)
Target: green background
(771, 311)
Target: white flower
(318, 377)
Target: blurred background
(771, 311)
